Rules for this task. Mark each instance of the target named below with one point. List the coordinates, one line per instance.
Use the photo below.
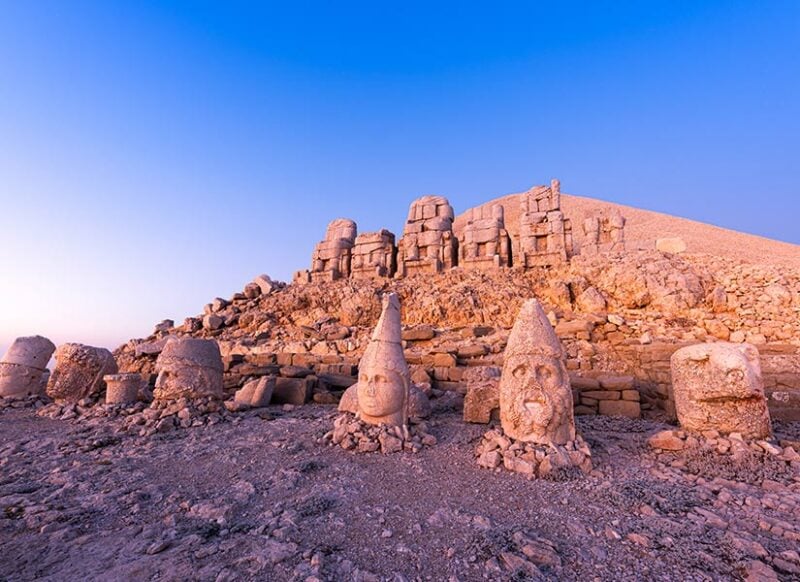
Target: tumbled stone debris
(728, 445)
(496, 450)
(353, 434)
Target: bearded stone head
(535, 393)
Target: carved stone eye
(519, 371)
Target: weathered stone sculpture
(123, 388)
(484, 242)
(428, 244)
(79, 372)
(719, 387)
(374, 255)
(332, 257)
(383, 375)
(545, 235)
(189, 368)
(535, 393)
(538, 428)
(603, 233)
(23, 369)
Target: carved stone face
(536, 400)
(719, 387)
(381, 393)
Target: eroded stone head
(535, 393)
(189, 367)
(718, 386)
(384, 379)
(79, 372)
(23, 369)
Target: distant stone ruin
(332, 257)
(428, 244)
(545, 235)
(484, 243)
(374, 255)
(604, 233)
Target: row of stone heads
(716, 386)
(186, 367)
(430, 245)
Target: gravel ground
(261, 498)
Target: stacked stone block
(484, 242)
(545, 237)
(428, 244)
(374, 255)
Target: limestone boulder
(256, 393)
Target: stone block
(293, 390)
(620, 408)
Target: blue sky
(154, 155)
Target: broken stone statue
(718, 386)
(23, 369)
(190, 368)
(79, 372)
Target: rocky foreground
(259, 495)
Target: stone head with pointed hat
(384, 378)
(535, 393)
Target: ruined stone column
(123, 388)
(79, 372)
(23, 369)
(374, 255)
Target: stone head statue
(384, 378)
(23, 367)
(79, 372)
(189, 367)
(535, 392)
(718, 386)
(341, 228)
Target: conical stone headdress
(385, 349)
(532, 334)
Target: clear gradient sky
(154, 155)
